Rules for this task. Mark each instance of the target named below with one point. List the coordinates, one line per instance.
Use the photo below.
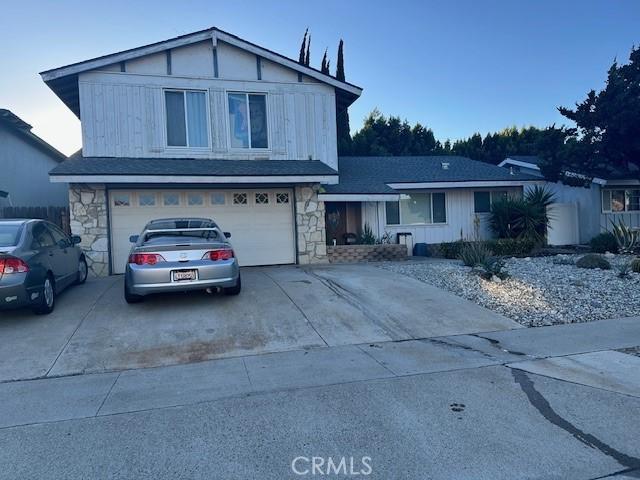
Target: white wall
(460, 219)
(123, 113)
(588, 204)
(25, 173)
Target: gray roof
(79, 165)
(14, 123)
(370, 175)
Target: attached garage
(260, 220)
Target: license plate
(184, 275)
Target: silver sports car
(179, 254)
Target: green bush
(635, 265)
(627, 238)
(367, 237)
(474, 254)
(592, 260)
(510, 247)
(526, 217)
(449, 250)
(492, 266)
(604, 242)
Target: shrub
(626, 238)
(511, 246)
(592, 260)
(367, 237)
(474, 253)
(490, 267)
(604, 242)
(525, 217)
(449, 250)
(635, 265)
(624, 270)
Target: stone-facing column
(88, 218)
(312, 245)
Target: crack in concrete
(541, 404)
(453, 344)
(496, 343)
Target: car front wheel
(47, 297)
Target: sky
(456, 66)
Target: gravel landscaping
(539, 291)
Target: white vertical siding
(460, 219)
(123, 116)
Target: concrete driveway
(280, 309)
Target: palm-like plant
(627, 238)
(523, 217)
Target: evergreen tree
(303, 48)
(324, 67)
(308, 54)
(342, 113)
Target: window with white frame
(171, 199)
(482, 201)
(248, 120)
(146, 199)
(195, 199)
(621, 200)
(218, 198)
(417, 209)
(187, 124)
(121, 200)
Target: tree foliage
(303, 48)
(343, 130)
(608, 122)
(324, 66)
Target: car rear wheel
(235, 290)
(130, 297)
(83, 272)
(47, 297)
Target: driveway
(280, 309)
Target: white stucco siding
(459, 225)
(193, 60)
(123, 115)
(25, 174)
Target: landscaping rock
(538, 291)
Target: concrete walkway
(552, 402)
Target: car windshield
(180, 236)
(177, 224)
(10, 234)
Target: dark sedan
(37, 261)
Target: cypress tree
(324, 67)
(342, 115)
(308, 54)
(303, 48)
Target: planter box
(366, 253)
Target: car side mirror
(75, 239)
(227, 234)
(134, 238)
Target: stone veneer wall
(366, 253)
(88, 215)
(310, 223)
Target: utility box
(406, 238)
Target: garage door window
(282, 197)
(262, 198)
(195, 199)
(218, 199)
(121, 200)
(239, 198)
(171, 199)
(147, 199)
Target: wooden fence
(56, 215)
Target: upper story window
(187, 124)
(248, 120)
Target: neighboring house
(206, 125)
(596, 206)
(25, 161)
(434, 198)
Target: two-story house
(202, 125)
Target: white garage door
(260, 220)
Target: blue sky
(457, 66)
